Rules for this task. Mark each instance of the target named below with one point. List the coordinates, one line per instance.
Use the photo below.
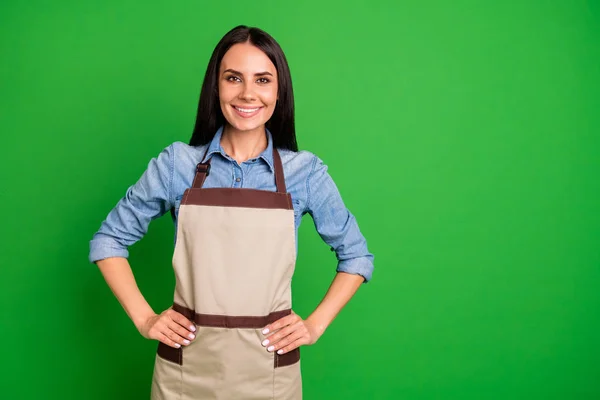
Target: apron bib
(234, 259)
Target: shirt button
(238, 179)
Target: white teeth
(246, 110)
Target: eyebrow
(239, 73)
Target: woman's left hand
(292, 332)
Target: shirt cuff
(102, 248)
(358, 266)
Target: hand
(293, 332)
(170, 328)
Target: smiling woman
(247, 97)
(237, 193)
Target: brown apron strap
(279, 177)
(229, 321)
(203, 169)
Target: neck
(243, 145)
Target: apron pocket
(169, 353)
(288, 358)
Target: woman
(237, 194)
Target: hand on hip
(170, 328)
(290, 332)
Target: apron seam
(274, 371)
(181, 377)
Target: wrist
(318, 323)
(139, 320)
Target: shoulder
(177, 153)
(184, 160)
(303, 160)
(304, 168)
(184, 150)
(185, 156)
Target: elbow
(362, 266)
(102, 246)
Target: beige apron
(234, 259)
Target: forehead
(247, 58)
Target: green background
(463, 135)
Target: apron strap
(279, 177)
(203, 170)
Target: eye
(233, 78)
(263, 80)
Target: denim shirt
(168, 175)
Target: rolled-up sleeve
(148, 199)
(335, 223)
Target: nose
(247, 92)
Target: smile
(247, 112)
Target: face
(247, 87)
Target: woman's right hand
(170, 328)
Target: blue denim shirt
(161, 188)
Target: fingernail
(185, 341)
(271, 348)
(266, 342)
(265, 331)
(177, 345)
(280, 351)
(192, 328)
(191, 336)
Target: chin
(245, 126)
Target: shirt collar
(215, 147)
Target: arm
(338, 228)
(169, 327)
(119, 277)
(343, 287)
(149, 198)
(296, 332)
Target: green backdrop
(463, 135)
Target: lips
(246, 112)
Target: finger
(294, 345)
(288, 340)
(180, 330)
(281, 334)
(280, 323)
(181, 320)
(164, 339)
(174, 336)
